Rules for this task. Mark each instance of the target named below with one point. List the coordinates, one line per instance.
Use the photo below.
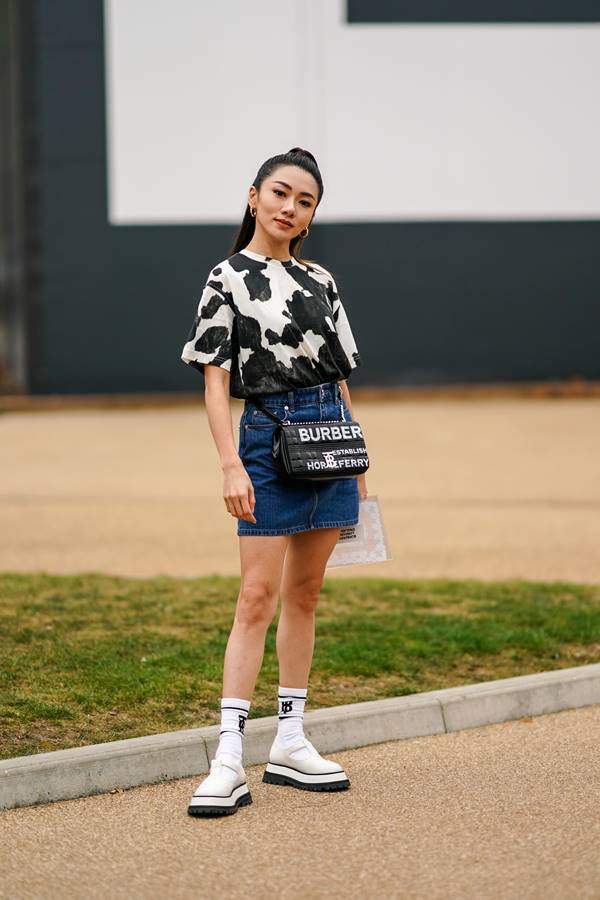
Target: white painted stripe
(407, 121)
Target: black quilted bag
(317, 450)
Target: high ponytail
(297, 156)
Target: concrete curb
(96, 769)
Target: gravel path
(507, 811)
(469, 488)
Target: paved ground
(506, 812)
(482, 488)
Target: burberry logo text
(329, 433)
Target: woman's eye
(279, 191)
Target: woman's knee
(303, 594)
(257, 603)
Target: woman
(271, 325)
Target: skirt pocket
(255, 418)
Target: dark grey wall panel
(21, 310)
(69, 21)
(429, 302)
(473, 11)
(471, 301)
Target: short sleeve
(342, 325)
(209, 341)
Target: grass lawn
(92, 658)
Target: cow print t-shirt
(275, 325)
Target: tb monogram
(286, 706)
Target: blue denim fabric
(286, 506)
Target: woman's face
(288, 195)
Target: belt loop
(291, 400)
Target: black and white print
(275, 325)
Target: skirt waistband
(329, 391)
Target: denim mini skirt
(289, 505)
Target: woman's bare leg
(261, 559)
(302, 578)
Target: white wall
(407, 121)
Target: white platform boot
(312, 774)
(221, 793)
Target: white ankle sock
(234, 712)
(291, 719)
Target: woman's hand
(238, 492)
(362, 486)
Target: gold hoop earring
(304, 235)
(252, 212)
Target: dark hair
(294, 157)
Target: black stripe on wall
(466, 302)
(382, 11)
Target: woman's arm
(361, 479)
(238, 492)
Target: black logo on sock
(241, 723)
(286, 706)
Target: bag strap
(264, 409)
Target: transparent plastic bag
(365, 542)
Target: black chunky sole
(246, 800)
(273, 778)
